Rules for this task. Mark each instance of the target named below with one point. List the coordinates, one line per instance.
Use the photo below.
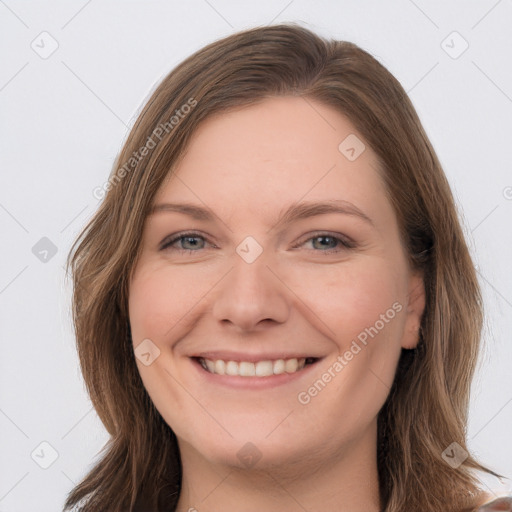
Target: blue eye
(334, 243)
(187, 238)
(196, 242)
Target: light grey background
(65, 116)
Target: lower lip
(236, 381)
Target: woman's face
(270, 332)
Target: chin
(251, 448)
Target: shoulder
(503, 504)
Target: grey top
(503, 504)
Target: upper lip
(252, 358)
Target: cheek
(162, 304)
(342, 300)
(362, 306)
(350, 299)
(162, 300)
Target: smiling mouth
(255, 369)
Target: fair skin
(305, 296)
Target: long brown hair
(427, 408)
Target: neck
(346, 482)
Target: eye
(190, 239)
(328, 243)
(193, 242)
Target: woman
(239, 361)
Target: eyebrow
(295, 211)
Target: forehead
(275, 153)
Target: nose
(250, 296)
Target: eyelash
(345, 243)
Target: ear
(415, 306)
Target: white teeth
(291, 365)
(264, 368)
(279, 366)
(248, 369)
(220, 367)
(231, 368)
